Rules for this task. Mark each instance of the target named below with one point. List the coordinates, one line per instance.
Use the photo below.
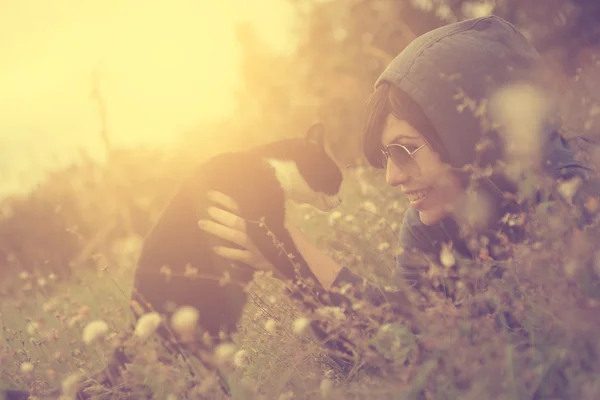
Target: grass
(469, 349)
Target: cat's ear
(316, 134)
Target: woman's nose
(395, 176)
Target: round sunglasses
(399, 154)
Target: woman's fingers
(244, 256)
(224, 232)
(228, 219)
(224, 201)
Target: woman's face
(428, 183)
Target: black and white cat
(260, 181)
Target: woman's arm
(326, 270)
(231, 227)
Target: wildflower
(27, 367)
(50, 305)
(224, 353)
(70, 385)
(32, 328)
(333, 217)
(24, 275)
(289, 395)
(383, 246)
(300, 325)
(331, 312)
(190, 271)
(369, 206)
(74, 321)
(41, 281)
(184, 321)
(568, 188)
(84, 311)
(147, 325)
(325, 387)
(446, 257)
(476, 9)
(271, 325)
(241, 359)
(52, 276)
(94, 330)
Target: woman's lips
(418, 196)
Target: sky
(162, 67)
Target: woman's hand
(230, 226)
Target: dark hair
(389, 99)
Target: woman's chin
(431, 216)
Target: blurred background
(105, 104)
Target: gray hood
(476, 56)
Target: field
(472, 350)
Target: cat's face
(311, 176)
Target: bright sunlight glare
(162, 68)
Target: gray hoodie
(477, 56)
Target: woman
(435, 112)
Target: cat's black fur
(176, 240)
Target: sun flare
(161, 67)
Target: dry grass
(472, 349)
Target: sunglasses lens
(399, 156)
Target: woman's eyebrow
(398, 138)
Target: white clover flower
(300, 325)
(27, 367)
(446, 257)
(369, 206)
(70, 385)
(333, 217)
(185, 320)
(224, 353)
(94, 331)
(383, 246)
(147, 325)
(271, 325)
(476, 9)
(241, 359)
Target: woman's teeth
(418, 195)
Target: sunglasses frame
(388, 156)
